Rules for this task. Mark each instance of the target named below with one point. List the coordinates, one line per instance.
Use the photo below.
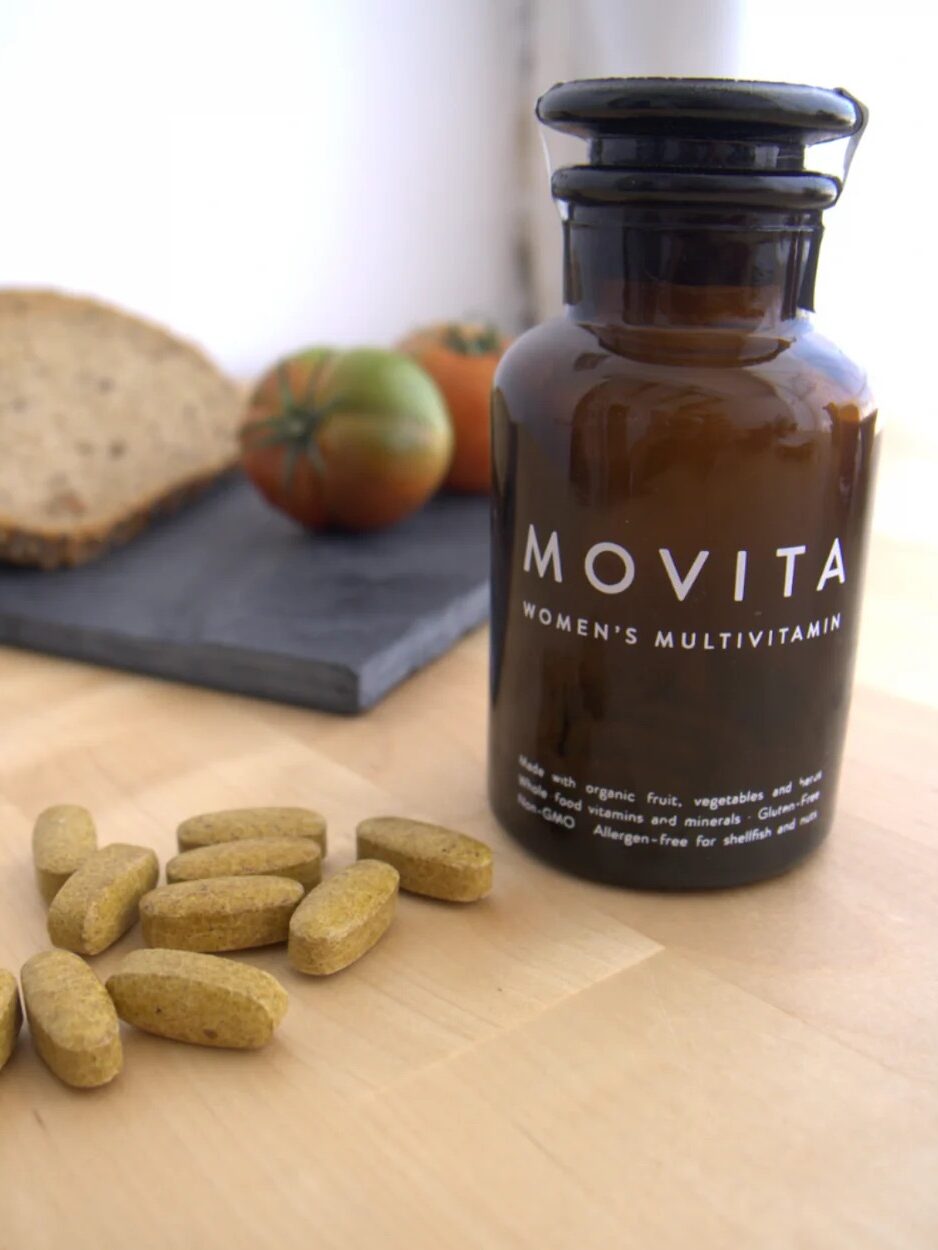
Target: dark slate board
(229, 593)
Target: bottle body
(679, 528)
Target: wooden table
(562, 1066)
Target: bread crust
(61, 550)
(51, 547)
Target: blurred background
(261, 175)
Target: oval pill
(11, 1015)
(252, 822)
(343, 918)
(201, 999)
(431, 860)
(63, 838)
(220, 913)
(300, 859)
(72, 1020)
(99, 901)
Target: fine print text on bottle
(672, 821)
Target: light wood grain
(561, 1067)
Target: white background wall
(267, 174)
(263, 174)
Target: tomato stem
(472, 341)
(294, 427)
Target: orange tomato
(461, 358)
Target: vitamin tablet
(202, 999)
(220, 913)
(297, 858)
(99, 901)
(72, 1020)
(430, 859)
(11, 1015)
(341, 919)
(63, 838)
(252, 822)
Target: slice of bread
(105, 421)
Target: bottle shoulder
(791, 370)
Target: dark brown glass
(684, 403)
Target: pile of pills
(243, 878)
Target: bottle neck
(671, 267)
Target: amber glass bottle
(682, 473)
